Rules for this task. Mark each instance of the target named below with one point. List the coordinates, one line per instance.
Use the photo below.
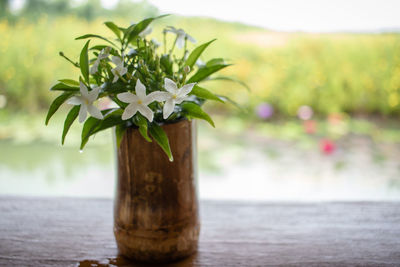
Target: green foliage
(71, 117)
(205, 94)
(161, 138)
(86, 36)
(84, 62)
(195, 111)
(196, 53)
(64, 87)
(56, 104)
(206, 71)
(133, 31)
(114, 28)
(92, 125)
(142, 123)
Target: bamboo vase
(156, 207)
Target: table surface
(78, 232)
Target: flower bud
(186, 69)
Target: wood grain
(78, 232)
(156, 207)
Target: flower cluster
(147, 88)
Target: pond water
(246, 166)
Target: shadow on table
(123, 262)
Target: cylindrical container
(156, 207)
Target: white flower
(200, 63)
(181, 35)
(174, 95)
(155, 42)
(104, 53)
(145, 32)
(85, 100)
(139, 102)
(119, 70)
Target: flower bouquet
(149, 88)
(156, 93)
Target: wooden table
(78, 232)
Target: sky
(295, 15)
(288, 15)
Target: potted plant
(157, 95)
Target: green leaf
(227, 99)
(63, 87)
(161, 138)
(204, 93)
(166, 64)
(204, 72)
(224, 78)
(95, 36)
(196, 53)
(73, 113)
(114, 28)
(195, 111)
(141, 122)
(69, 82)
(57, 103)
(215, 61)
(84, 62)
(134, 30)
(119, 133)
(92, 125)
(101, 47)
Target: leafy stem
(76, 64)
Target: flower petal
(123, 71)
(83, 89)
(180, 41)
(170, 86)
(92, 95)
(105, 52)
(95, 112)
(140, 90)
(95, 66)
(117, 60)
(82, 113)
(127, 97)
(146, 111)
(75, 100)
(129, 111)
(145, 32)
(186, 89)
(171, 29)
(179, 100)
(115, 73)
(168, 108)
(190, 38)
(157, 96)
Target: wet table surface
(78, 232)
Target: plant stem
(73, 63)
(165, 42)
(173, 46)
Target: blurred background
(321, 120)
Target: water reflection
(47, 169)
(233, 164)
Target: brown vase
(156, 207)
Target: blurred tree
(4, 8)
(90, 10)
(135, 10)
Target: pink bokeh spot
(327, 146)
